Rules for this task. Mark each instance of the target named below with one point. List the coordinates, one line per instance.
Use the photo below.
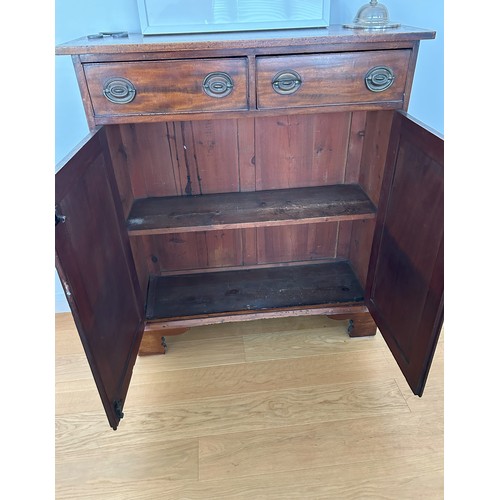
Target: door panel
(405, 277)
(94, 262)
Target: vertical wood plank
(376, 141)
(296, 243)
(149, 158)
(344, 239)
(120, 165)
(200, 250)
(249, 246)
(188, 183)
(141, 263)
(360, 248)
(310, 150)
(214, 162)
(224, 248)
(132, 153)
(355, 147)
(246, 154)
(180, 251)
(171, 138)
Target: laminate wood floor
(272, 409)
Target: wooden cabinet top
(255, 40)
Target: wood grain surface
(330, 79)
(175, 214)
(272, 409)
(248, 290)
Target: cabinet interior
(250, 193)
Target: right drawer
(332, 79)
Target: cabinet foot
(155, 341)
(360, 324)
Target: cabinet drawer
(332, 79)
(167, 87)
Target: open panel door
(95, 265)
(405, 277)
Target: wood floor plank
(433, 397)
(171, 460)
(318, 418)
(408, 478)
(67, 340)
(78, 398)
(309, 446)
(72, 368)
(311, 342)
(84, 435)
(260, 326)
(271, 409)
(195, 354)
(159, 386)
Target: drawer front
(332, 79)
(167, 87)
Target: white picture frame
(212, 16)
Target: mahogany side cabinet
(237, 176)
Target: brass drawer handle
(119, 90)
(379, 78)
(218, 84)
(286, 82)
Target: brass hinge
(118, 407)
(59, 217)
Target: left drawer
(148, 88)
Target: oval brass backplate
(218, 84)
(286, 82)
(119, 90)
(379, 78)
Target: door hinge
(67, 291)
(59, 217)
(118, 406)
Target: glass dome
(373, 15)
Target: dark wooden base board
(253, 290)
(154, 340)
(360, 324)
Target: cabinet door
(95, 265)
(405, 276)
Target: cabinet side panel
(357, 132)
(376, 141)
(370, 133)
(141, 265)
(121, 157)
(360, 247)
(119, 160)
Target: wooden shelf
(250, 290)
(175, 214)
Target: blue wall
(77, 18)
